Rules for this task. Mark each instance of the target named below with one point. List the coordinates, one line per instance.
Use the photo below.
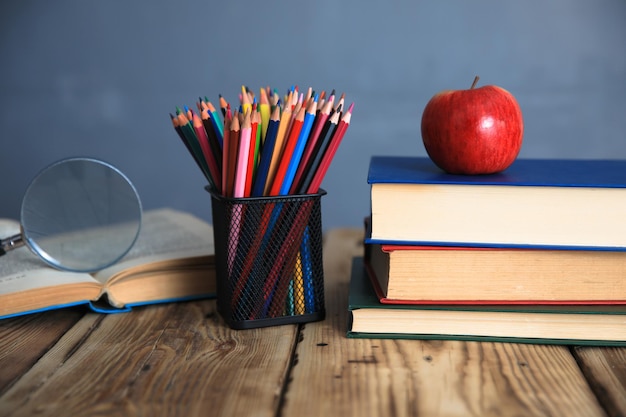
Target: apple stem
(475, 81)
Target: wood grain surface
(181, 359)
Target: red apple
(474, 131)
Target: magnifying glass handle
(11, 243)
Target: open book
(171, 260)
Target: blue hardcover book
(551, 203)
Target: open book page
(8, 227)
(165, 234)
(21, 269)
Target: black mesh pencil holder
(268, 254)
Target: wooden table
(181, 360)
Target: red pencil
(225, 157)
(209, 156)
(214, 142)
(330, 152)
(285, 158)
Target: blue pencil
(266, 154)
(309, 118)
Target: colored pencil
(265, 110)
(274, 288)
(285, 120)
(330, 152)
(307, 271)
(323, 142)
(246, 103)
(266, 154)
(235, 130)
(298, 286)
(311, 146)
(208, 154)
(287, 153)
(223, 105)
(241, 171)
(214, 142)
(187, 144)
(294, 160)
(218, 125)
(225, 159)
(253, 154)
(190, 136)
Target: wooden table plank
(605, 368)
(23, 340)
(411, 377)
(176, 359)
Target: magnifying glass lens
(80, 214)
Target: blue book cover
(523, 172)
(535, 203)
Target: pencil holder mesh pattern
(268, 253)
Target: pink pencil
(245, 137)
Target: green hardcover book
(599, 325)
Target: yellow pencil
(298, 286)
(246, 104)
(264, 109)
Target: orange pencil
(285, 158)
(295, 109)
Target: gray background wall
(98, 78)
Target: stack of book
(536, 253)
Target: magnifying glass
(78, 214)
